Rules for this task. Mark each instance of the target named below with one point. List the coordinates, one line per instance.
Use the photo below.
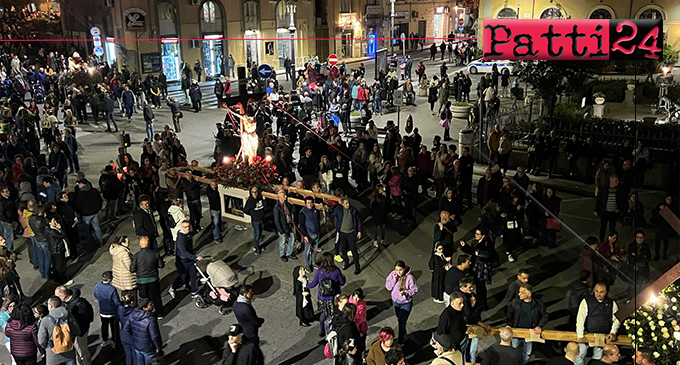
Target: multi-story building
(668, 10)
(151, 35)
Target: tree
(551, 78)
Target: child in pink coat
(357, 298)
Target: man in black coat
(452, 322)
(108, 113)
(110, 187)
(246, 315)
(145, 223)
(240, 350)
(192, 189)
(145, 265)
(88, 203)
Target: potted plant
(461, 110)
(598, 97)
(354, 117)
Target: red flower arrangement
(240, 174)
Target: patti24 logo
(573, 39)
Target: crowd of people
(299, 132)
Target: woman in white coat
(178, 215)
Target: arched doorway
(211, 20)
(171, 57)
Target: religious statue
(249, 139)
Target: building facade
(668, 10)
(148, 35)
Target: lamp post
(292, 7)
(392, 28)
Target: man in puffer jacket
(142, 327)
(57, 312)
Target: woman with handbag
(484, 256)
(611, 255)
(551, 223)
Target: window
(552, 13)
(282, 15)
(601, 13)
(345, 6)
(211, 18)
(209, 12)
(250, 15)
(167, 26)
(651, 14)
(507, 13)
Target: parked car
(484, 66)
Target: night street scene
(336, 182)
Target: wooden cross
(661, 283)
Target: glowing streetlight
(226, 160)
(268, 158)
(653, 299)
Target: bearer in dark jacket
(142, 327)
(145, 265)
(246, 315)
(144, 221)
(240, 350)
(285, 226)
(526, 312)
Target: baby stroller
(219, 286)
(38, 93)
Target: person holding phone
(401, 283)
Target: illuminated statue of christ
(249, 139)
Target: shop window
(507, 13)
(601, 13)
(552, 13)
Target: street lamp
(392, 28)
(291, 5)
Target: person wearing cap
(240, 350)
(443, 348)
(108, 300)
